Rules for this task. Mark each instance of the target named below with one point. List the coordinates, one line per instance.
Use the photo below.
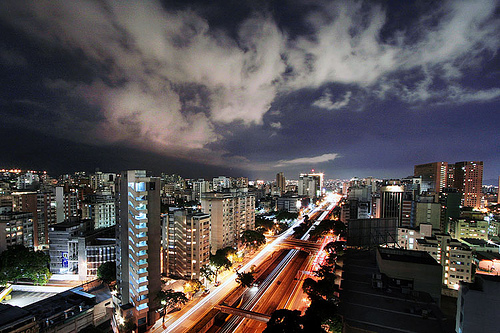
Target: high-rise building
(466, 177)
(186, 242)
(468, 180)
(16, 228)
(42, 205)
(231, 213)
(281, 182)
(138, 252)
(391, 203)
(103, 182)
(100, 208)
(436, 172)
(310, 184)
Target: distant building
(281, 182)
(391, 203)
(139, 241)
(450, 201)
(103, 181)
(16, 228)
(42, 205)
(468, 179)
(100, 207)
(186, 242)
(468, 228)
(407, 237)
(290, 204)
(435, 172)
(310, 185)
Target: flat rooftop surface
(384, 309)
(24, 298)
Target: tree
(19, 262)
(245, 279)
(107, 272)
(264, 223)
(207, 272)
(253, 238)
(192, 286)
(284, 321)
(284, 215)
(220, 261)
(170, 299)
(128, 326)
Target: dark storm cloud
(258, 86)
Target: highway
(283, 287)
(290, 265)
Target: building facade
(186, 242)
(232, 212)
(138, 240)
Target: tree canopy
(284, 321)
(245, 279)
(19, 262)
(253, 238)
(107, 272)
(220, 260)
(170, 299)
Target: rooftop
(384, 309)
(418, 257)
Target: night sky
(249, 88)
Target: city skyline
(346, 88)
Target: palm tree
(245, 279)
(170, 299)
(207, 272)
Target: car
(217, 283)
(205, 292)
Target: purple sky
(248, 88)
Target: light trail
(268, 248)
(230, 280)
(234, 323)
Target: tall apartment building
(310, 184)
(391, 202)
(232, 212)
(138, 240)
(436, 172)
(101, 181)
(466, 177)
(16, 228)
(468, 180)
(450, 201)
(42, 205)
(281, 183)
(67, 203)
(100, 207)
(186, 243)
(200, 186)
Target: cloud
(276, 125)
(147, 60)
(308, 160)
(325, 101)
(12, 58)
